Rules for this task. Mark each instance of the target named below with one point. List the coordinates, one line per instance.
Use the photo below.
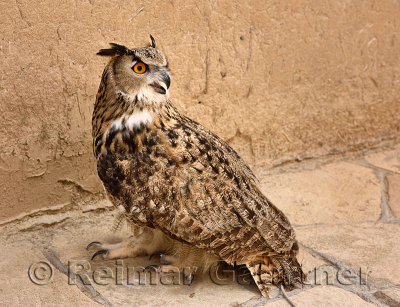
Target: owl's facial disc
(153, 75)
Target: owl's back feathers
(170, 173)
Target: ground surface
(346, 212)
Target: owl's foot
(188, 278)
(188, 275)
(162, 268)
(114, 251)
(142, 243)
(163, 258)
(99, 250)
(165, 265)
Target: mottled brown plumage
(180, 182)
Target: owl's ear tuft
(114, 50)
(153, 41)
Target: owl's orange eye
(139, 68)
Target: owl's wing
(204, 194)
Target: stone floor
(345, 209)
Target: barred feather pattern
(172, 174)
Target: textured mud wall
(276, 79)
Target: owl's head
(139, 74)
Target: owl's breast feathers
(169, 172)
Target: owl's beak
(167, 80)
(158, 88)
(164, 84)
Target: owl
(187, 193)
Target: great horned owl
(189, 193)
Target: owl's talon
(189, 278)
(163, 259)
(162, 268)
(156, 254)
(100, 252)
(94, 243)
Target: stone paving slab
(394, 194)
(326, 194)
(18, 290)
(371, 247)
(393, 293)
(388, 159)
(324, 296)
(69, 239)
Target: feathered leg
(143, 243)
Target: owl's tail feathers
(273, 271)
